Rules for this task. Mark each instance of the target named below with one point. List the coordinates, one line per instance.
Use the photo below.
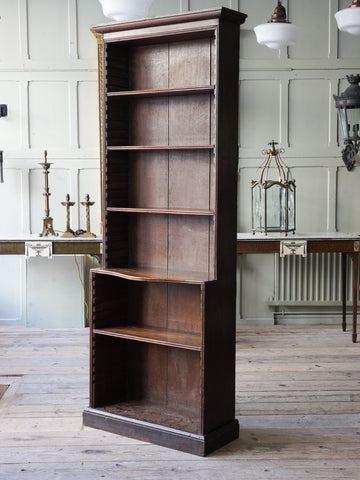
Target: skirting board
(200, 445)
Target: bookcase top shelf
(145, 274)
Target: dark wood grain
(164, 303)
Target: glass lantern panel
(275, 204)
(291, 209)
(258, 199)
(353, 118)
(343, 122)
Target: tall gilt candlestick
(69, 233)
(88, 204)
(47, 220)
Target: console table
(301, 244)
(18, 245)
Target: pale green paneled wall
(287, 96)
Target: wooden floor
(298, 403)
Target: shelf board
(145, 274)
(176, 418)
(163, 92)
(158, 336)
(129, 148)
(169, 211)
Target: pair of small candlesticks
(69, 233)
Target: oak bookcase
(163, 305)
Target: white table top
(298, 236)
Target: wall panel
(48, 23)
(348, 200)
(10, 131)
(309, 101)
(86, 13)
(310, 45)
(49, 114)
(88, 115)
(10, 44)
(312, 185)
(259, 114)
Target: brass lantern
(273, 201)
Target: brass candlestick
(47, 220)
(69, 233)
(87, 204)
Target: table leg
(343, 283)
(355, 259)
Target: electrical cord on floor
(83, 289)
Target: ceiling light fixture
(348, 19)
(122, 10)
(277, 32)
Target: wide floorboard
(297, 400)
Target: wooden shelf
(144, 274)
(168, 211)
(164, 92)
(158, 336)
(155, 413)
(130, 148)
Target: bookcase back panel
(191, 63)
(139, 384)
(148, 67)
(148, 240)
(190, 180)
(119, 302)
(149, 180)
(190, 120)
(173, 242)
(184, 380)
(181, 179)
(148, 122)
(185, 312)
(180, 64)
(189, 243)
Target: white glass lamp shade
(276, 34)
(348, 20)
(122, 10)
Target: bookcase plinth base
(201, 445)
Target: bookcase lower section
(195, 444)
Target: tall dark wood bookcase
(163, 305)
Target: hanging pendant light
(122, 10)
(277, 32)
(348, 19)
